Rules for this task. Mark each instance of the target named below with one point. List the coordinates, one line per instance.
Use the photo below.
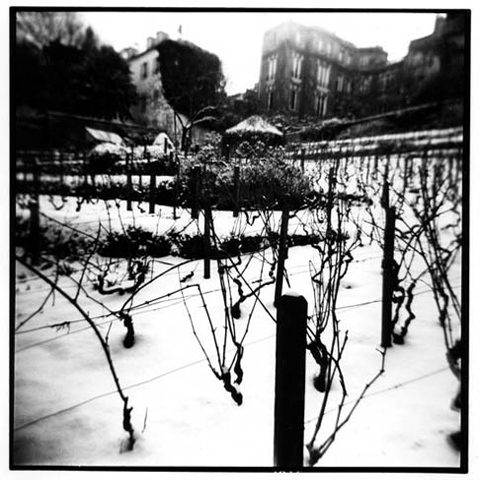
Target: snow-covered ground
(67, 411)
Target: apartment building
(311, 71)
(152, 108)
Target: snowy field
(67, 411)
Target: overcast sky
(236, 37)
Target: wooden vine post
(177, 180)
(151, 203)
(85, 168)
(385, 200)
(388, 280)
(290, 382)
(367, 178)
(388, 277)
(282, 255)
(206, 234)
(34, 205)
(236, 190)
(450, 168)
(196, 190)
(407, 171)
(128, 167)
(458, 167)
(140, 176)
(331, 189)
(61, 168)
(91, 169)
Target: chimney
(150, 42)
(161, 36)
(439, 24)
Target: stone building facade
(311, 71)
(152, 109)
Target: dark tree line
(59, 65)
(66, 69)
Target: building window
(348, 86)
(144, 70)
(271, 67)
(297, 66)
(293, 99)
(340, 56)
(320, 44)
(390, 80)
(340, 80)
(321, 109)
(323, 74)
(270, 100)
(363, 61)
(348, 59)
(329, 48)
(156, 65)
(365, 84)
(383, 82)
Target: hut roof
(107, 148)
(254, 125)
(102, 136)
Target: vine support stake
(290, 381)
(206, 260)
(408, 170)
(331, 187)
(34, 205)
(85, 168)
(388, 279)
(177, 179)
(282, 255)
(61, 169)
(196, 191)
(386, 193)
(129, 181)
(236, 190)
(151, 203)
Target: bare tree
(43, 27)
